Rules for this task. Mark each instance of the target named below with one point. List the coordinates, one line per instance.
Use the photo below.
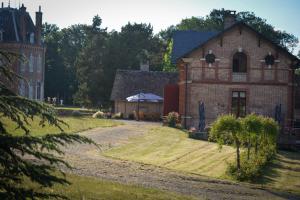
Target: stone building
(237, 70)
(132, 82)
(20, 35)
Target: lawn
(171, 148)
(91, 188)
(76, 124)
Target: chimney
(229, 18)
(38, 26)
(144, 66)
(23, 22)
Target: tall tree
(63, 47)
(89, 66)
(14, 149)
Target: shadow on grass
(271, 172)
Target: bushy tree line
(254, 138)
(81, 60)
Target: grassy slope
(91, 188)
(172, 149)
(284, 172)
(76, 124)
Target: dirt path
(88, 161)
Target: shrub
(99, 115)
(118, 115)
(250, 170)
(172, 119)
(76, 113)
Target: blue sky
(282, 14)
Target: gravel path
(88, 161)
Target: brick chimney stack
(38, 26)
(23, 22)
(229, 18)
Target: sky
(282, 14)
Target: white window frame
(31, 62)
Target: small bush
(250, 170)
(118, 115)
(76, 113)
(99, 115)
(173, 119)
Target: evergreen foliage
(27, 156)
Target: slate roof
(184, 42)
(131, 82)
(10, 25)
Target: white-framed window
(31, 90)
(38, 90)
(31, 38)
(39, 63)
(22, 88)
(1, 35)
(31, 62)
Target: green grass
(91, 188)
(284, 172)
(171, 148)
(76, 124)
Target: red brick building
(237, 70)
(19, 34)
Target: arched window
(239, 64)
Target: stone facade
(265, 85)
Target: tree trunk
(256, 146)
(238, 160)
(248, 153)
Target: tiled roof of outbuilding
(131, 82)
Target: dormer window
(239, 62)
(31, 38)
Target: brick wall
(265, 86)
(34, 55)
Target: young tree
(252, 125)
(14, 149)
(228, 128)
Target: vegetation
(83, 59)
(74, 125)
(172, 119)
(14, 149)
(91, 188)
(256, 133)
(171, 148)
(214, 22)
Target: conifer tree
(15, 151)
